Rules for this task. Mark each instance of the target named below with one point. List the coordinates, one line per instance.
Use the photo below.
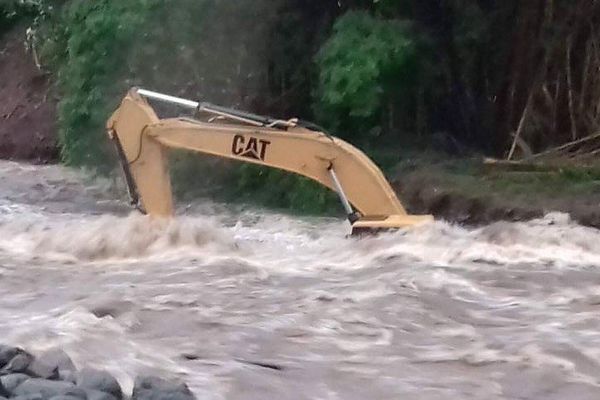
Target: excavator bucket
(142, 140)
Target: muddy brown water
(248, 304)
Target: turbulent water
(247, 304)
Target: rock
(57, 358)
(10, 382)
(18, 363)
(69, 376)
(93, 394)
(39, 369)
(23, 377)
(89, 378)
(154, 388)
(3, 392)
(35, 396)
(48, 389)
(7, 353)
(111, 308)
(65, 397)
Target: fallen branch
(562, 148)
(511, 153)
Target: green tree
(87, 46)
(365, 68)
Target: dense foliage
(365, 68)
(12, 11)
(87, 47)
(459, 75)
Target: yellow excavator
(142, 140)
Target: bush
(192, 48)
(195, 176)
(365, 64)
(11, 11)
(87, 45)
(279, 189)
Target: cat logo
(252, 148)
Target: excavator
(142, 141)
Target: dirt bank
(28, 107)
(464, 192)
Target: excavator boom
(142, 141)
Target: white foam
(274, 240)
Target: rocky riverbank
(53, 376)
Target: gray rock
(3, 398)
(65, 397)
(7, 353)
(69, 376)
(48, 389)
(154, 388)
(39, 369)
(34, 396)
(10, 382)
(3, 391)
(58, 359)
(98, 395)
(111, 308)
(89, 378)
(18, 363)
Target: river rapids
(244, 303)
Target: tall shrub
(366, 67)
(88, 46)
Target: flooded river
(247, 304)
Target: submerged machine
(142, 140)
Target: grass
(467, 176)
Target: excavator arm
(142, 140)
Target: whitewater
(245, 303)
